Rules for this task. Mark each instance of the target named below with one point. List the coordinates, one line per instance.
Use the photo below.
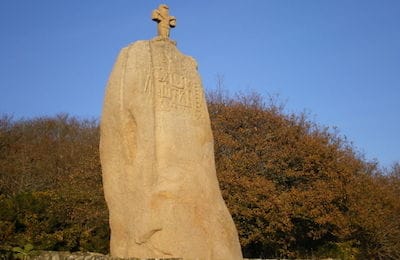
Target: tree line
(294, 188)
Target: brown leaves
(294, 189)
(53, 163)
(288, 182)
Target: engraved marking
(148, 87)
(174, 91)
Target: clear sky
(339, 60)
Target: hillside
(294, 188)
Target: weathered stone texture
(157, 157)
(65, 255)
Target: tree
(288, 182)
(294, 188)
(50, 185)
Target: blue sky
(338, 60)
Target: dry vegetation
(294, 189)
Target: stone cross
(164, 20)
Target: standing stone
(157, 159)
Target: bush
(294, 188)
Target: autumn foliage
(50, 185)
(294, 188)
